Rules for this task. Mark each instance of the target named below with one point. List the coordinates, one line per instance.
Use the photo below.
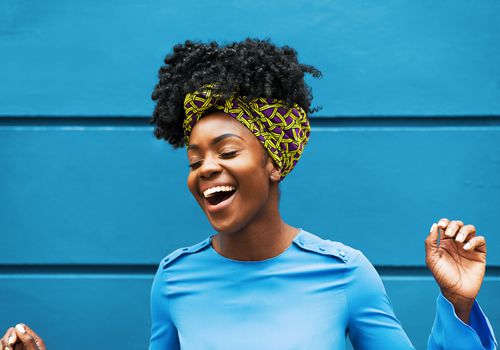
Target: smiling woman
(259, 283)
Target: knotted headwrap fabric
(282, 131)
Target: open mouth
(217, 195)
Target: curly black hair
(251, 68)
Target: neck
(265, 237)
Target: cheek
(253, 180)
(191, 183)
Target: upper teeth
(209, 192)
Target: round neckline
(215, 252)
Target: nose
(210, 167)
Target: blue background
(90, 201)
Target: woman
(259, 283)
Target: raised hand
(22, 337)
(457, 261)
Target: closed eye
(224, 155)
(195, 165)
(229, 154)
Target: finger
(466, 232)
(443, 222)
(38, 340)
(12, 336)
(26, 337)
(8, 339)
(476, 243)
(453, 228)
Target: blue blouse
(309, 297)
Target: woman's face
(231, 173)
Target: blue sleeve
(163, 332)
(372, 323)
(450, 332)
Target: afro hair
(251, 68)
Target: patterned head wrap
(282, 131)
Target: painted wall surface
(90, 202)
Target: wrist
(462, 305)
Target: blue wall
(90, 202)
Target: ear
(274, 171)
(275, 175)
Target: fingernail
(467, 246)
(11, 340)
(448, 233)
(6, 348)
(20, 328)
(433, 227)
(460, 237)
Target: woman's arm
(457, 259)
(373, 325)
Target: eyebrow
(215, 140)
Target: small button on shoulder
(182, 251)
(313, 243)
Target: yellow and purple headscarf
(282, 131)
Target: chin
(227, 225)
(224, 227)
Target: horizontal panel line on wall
(148, 270)
(64, 269)
(318, 122)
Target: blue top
(308, 297)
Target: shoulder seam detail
(310, 242)
(183, 251)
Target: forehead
(215, 124)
